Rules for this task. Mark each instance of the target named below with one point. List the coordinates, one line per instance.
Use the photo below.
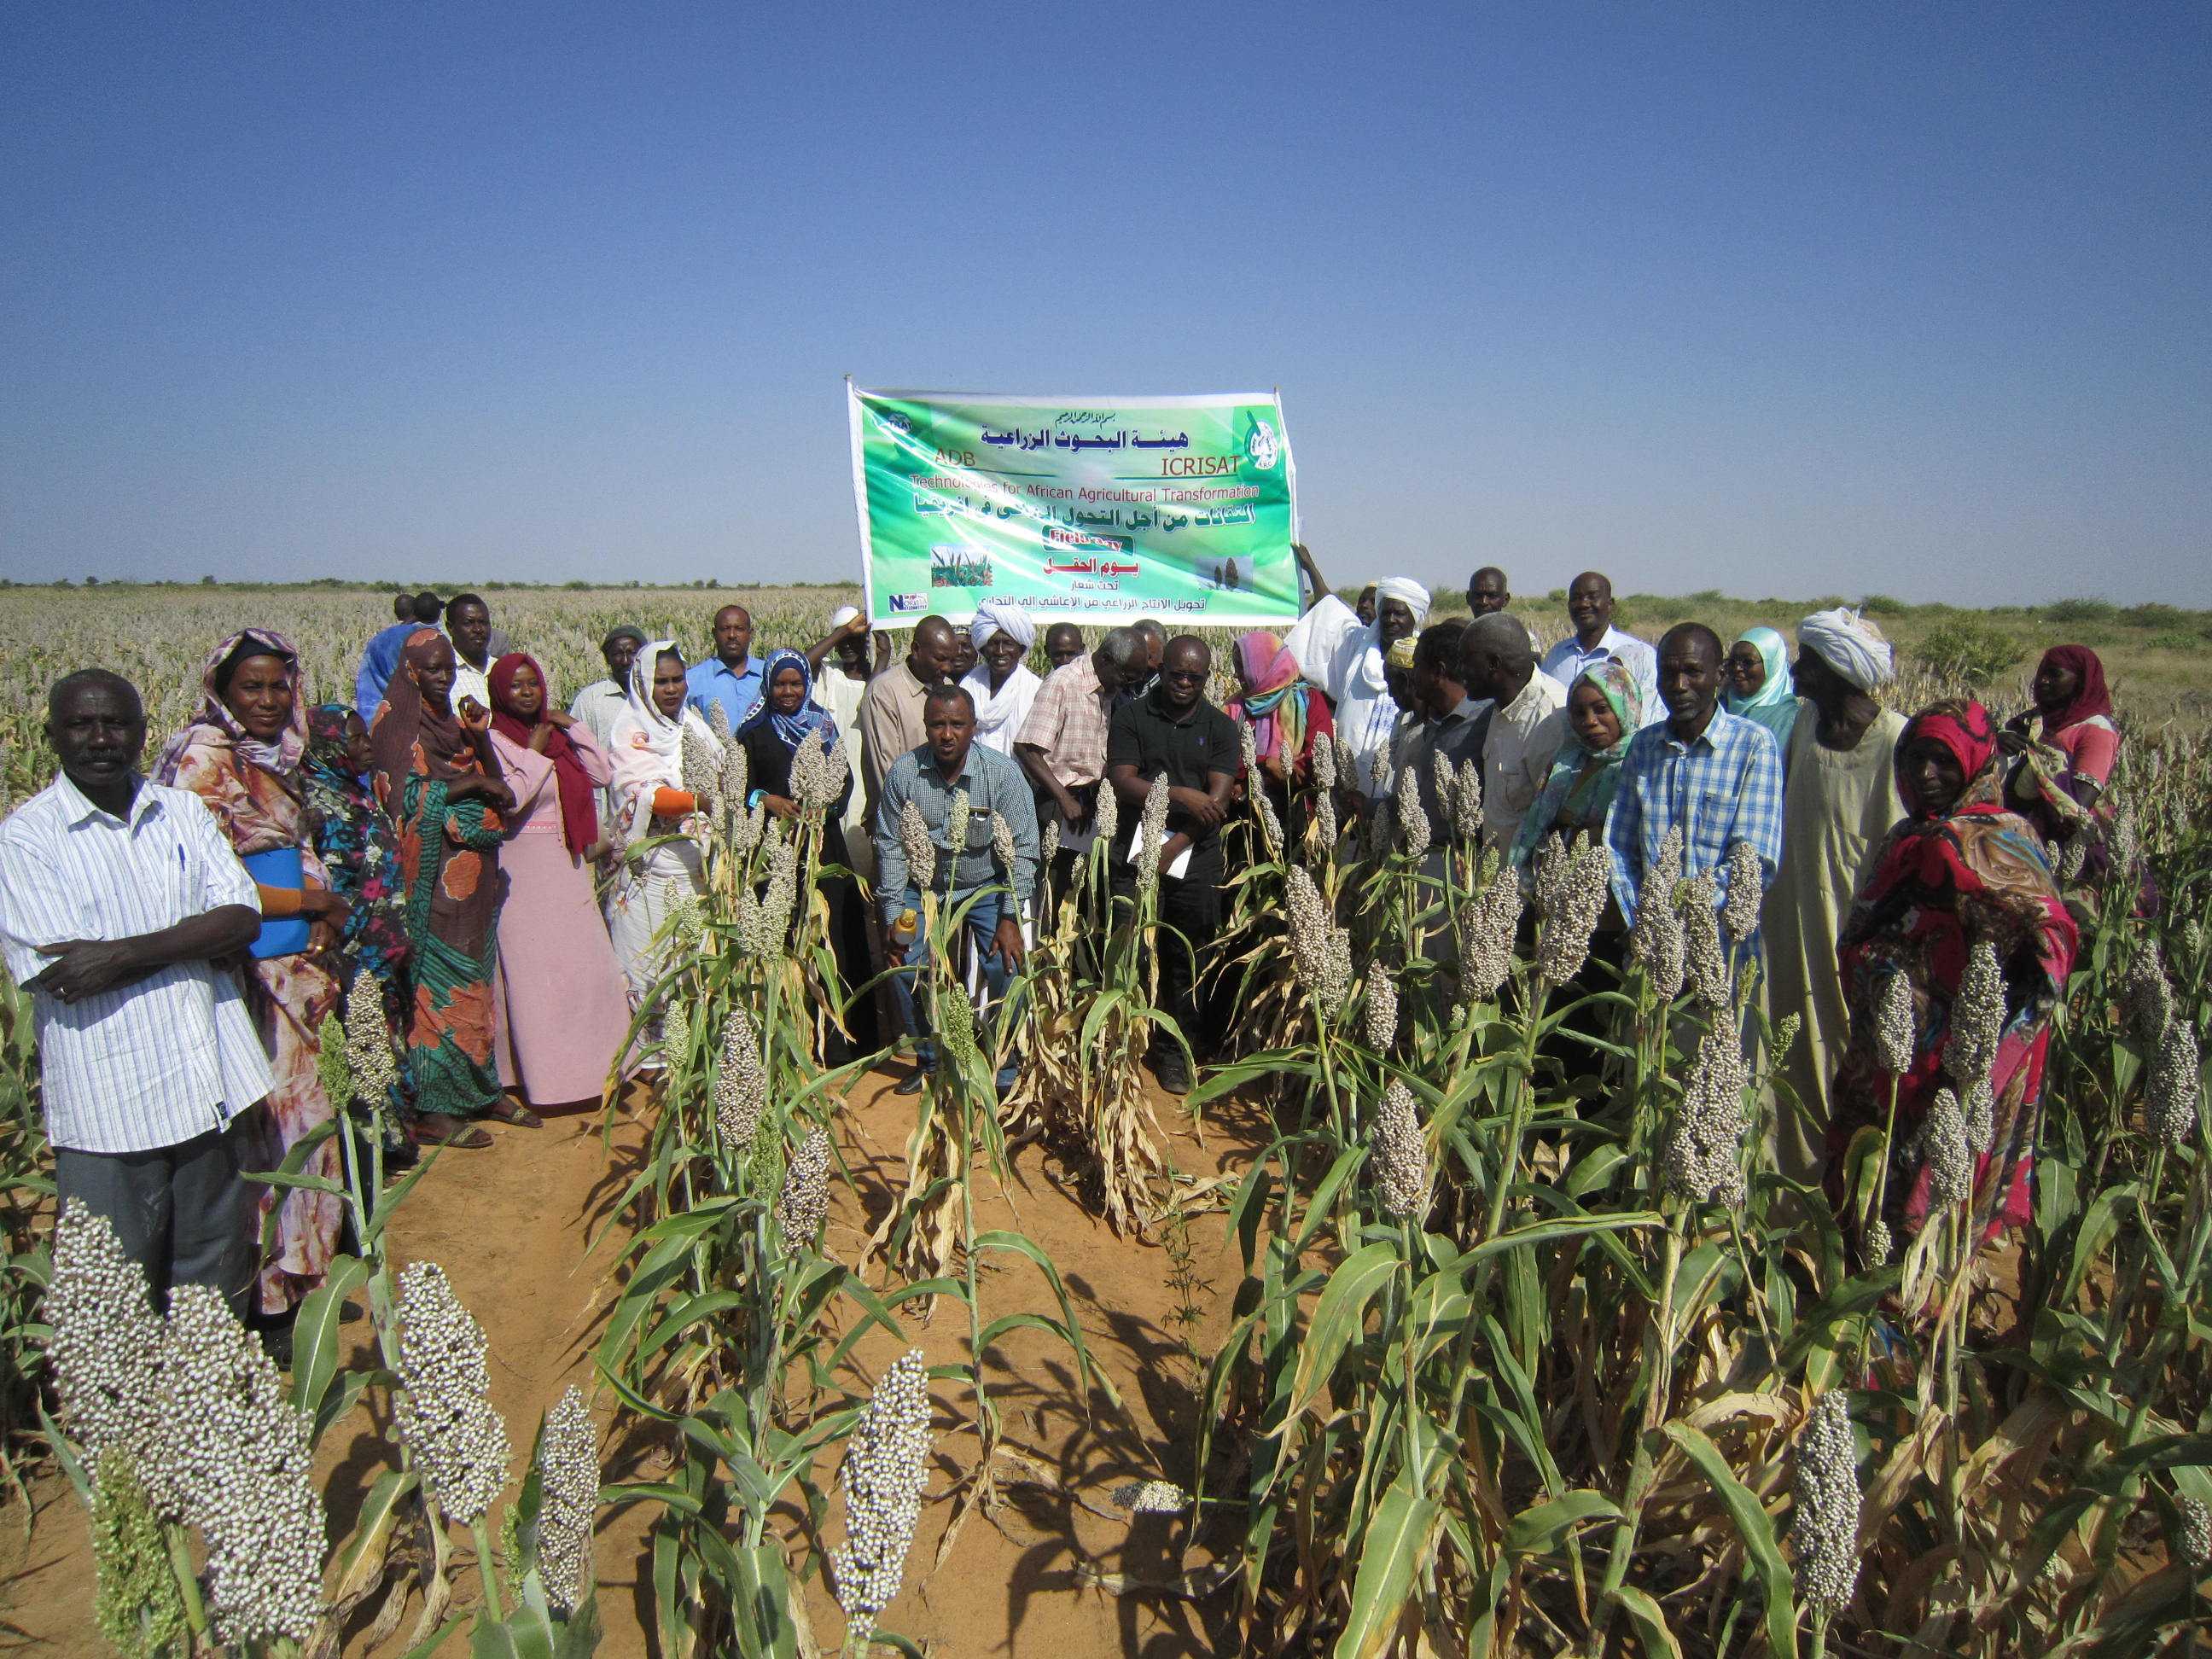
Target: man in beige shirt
(890, 714)
(1526, 726)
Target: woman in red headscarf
(563, 1015)
(2077, 717)
(1961, 869)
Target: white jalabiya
(648, 755)
(1338, 652)
(1000, 714)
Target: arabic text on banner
(1086, 509)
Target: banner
(1080, 509)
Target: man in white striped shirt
(118, 897)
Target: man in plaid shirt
(1715, 775)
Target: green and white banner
(1080, 510)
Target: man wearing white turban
(1851, 645)
(1350, 661)
(1839, 801)
(1001, 683)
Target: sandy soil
(511, 1225)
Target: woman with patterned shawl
(2058, 780)
(356, 846)
(1960, 869)
(439, 785)
(241, 755)
(1286, 714)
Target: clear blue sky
(1914, 298)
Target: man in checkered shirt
(1715, 775)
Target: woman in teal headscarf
(1604, 711)
(1755, 683)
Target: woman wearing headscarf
(1755, 684)
(648, 760)
(563, 1014)
(2077, 711)
(1287, 713)
(784, 719)
(241, 755)
(2058, 778)
(1001, 683)
(356, 849)
(1605, 709)
(437, 783)
(1961, 869)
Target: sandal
(515, 1112)
(438, 1129)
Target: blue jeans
(982, 926)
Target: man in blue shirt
(950, 763)
(1713, 774)
(731, 677)
(1590, 608)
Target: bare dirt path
(510, 1227)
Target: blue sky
(1789, 301)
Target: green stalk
(486, 1575)
(188, 1580)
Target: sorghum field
(1426, 1325)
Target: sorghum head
(2175, 1087)
(920, 851)
(1400, 1157)
(1746, 886)
(804, 1200)
(569, 1478)
(443, 1412)
(740, 1083)
(1381, 1011)
(886, 1461)
(1826, 1480)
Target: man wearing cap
(596, 707)
(1839, 801)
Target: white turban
(1001, 617)
(843, 614)
(1411, 594)
(1850, 644)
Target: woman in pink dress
(563, 1014)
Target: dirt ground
(510, 1226)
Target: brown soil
(511, 1225)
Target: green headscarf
(1580, 784)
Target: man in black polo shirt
(1172, 731)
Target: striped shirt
(165, 1058)
(1722, 787)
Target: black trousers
(1192, 906)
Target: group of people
(501, 874)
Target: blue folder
(285, 936)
